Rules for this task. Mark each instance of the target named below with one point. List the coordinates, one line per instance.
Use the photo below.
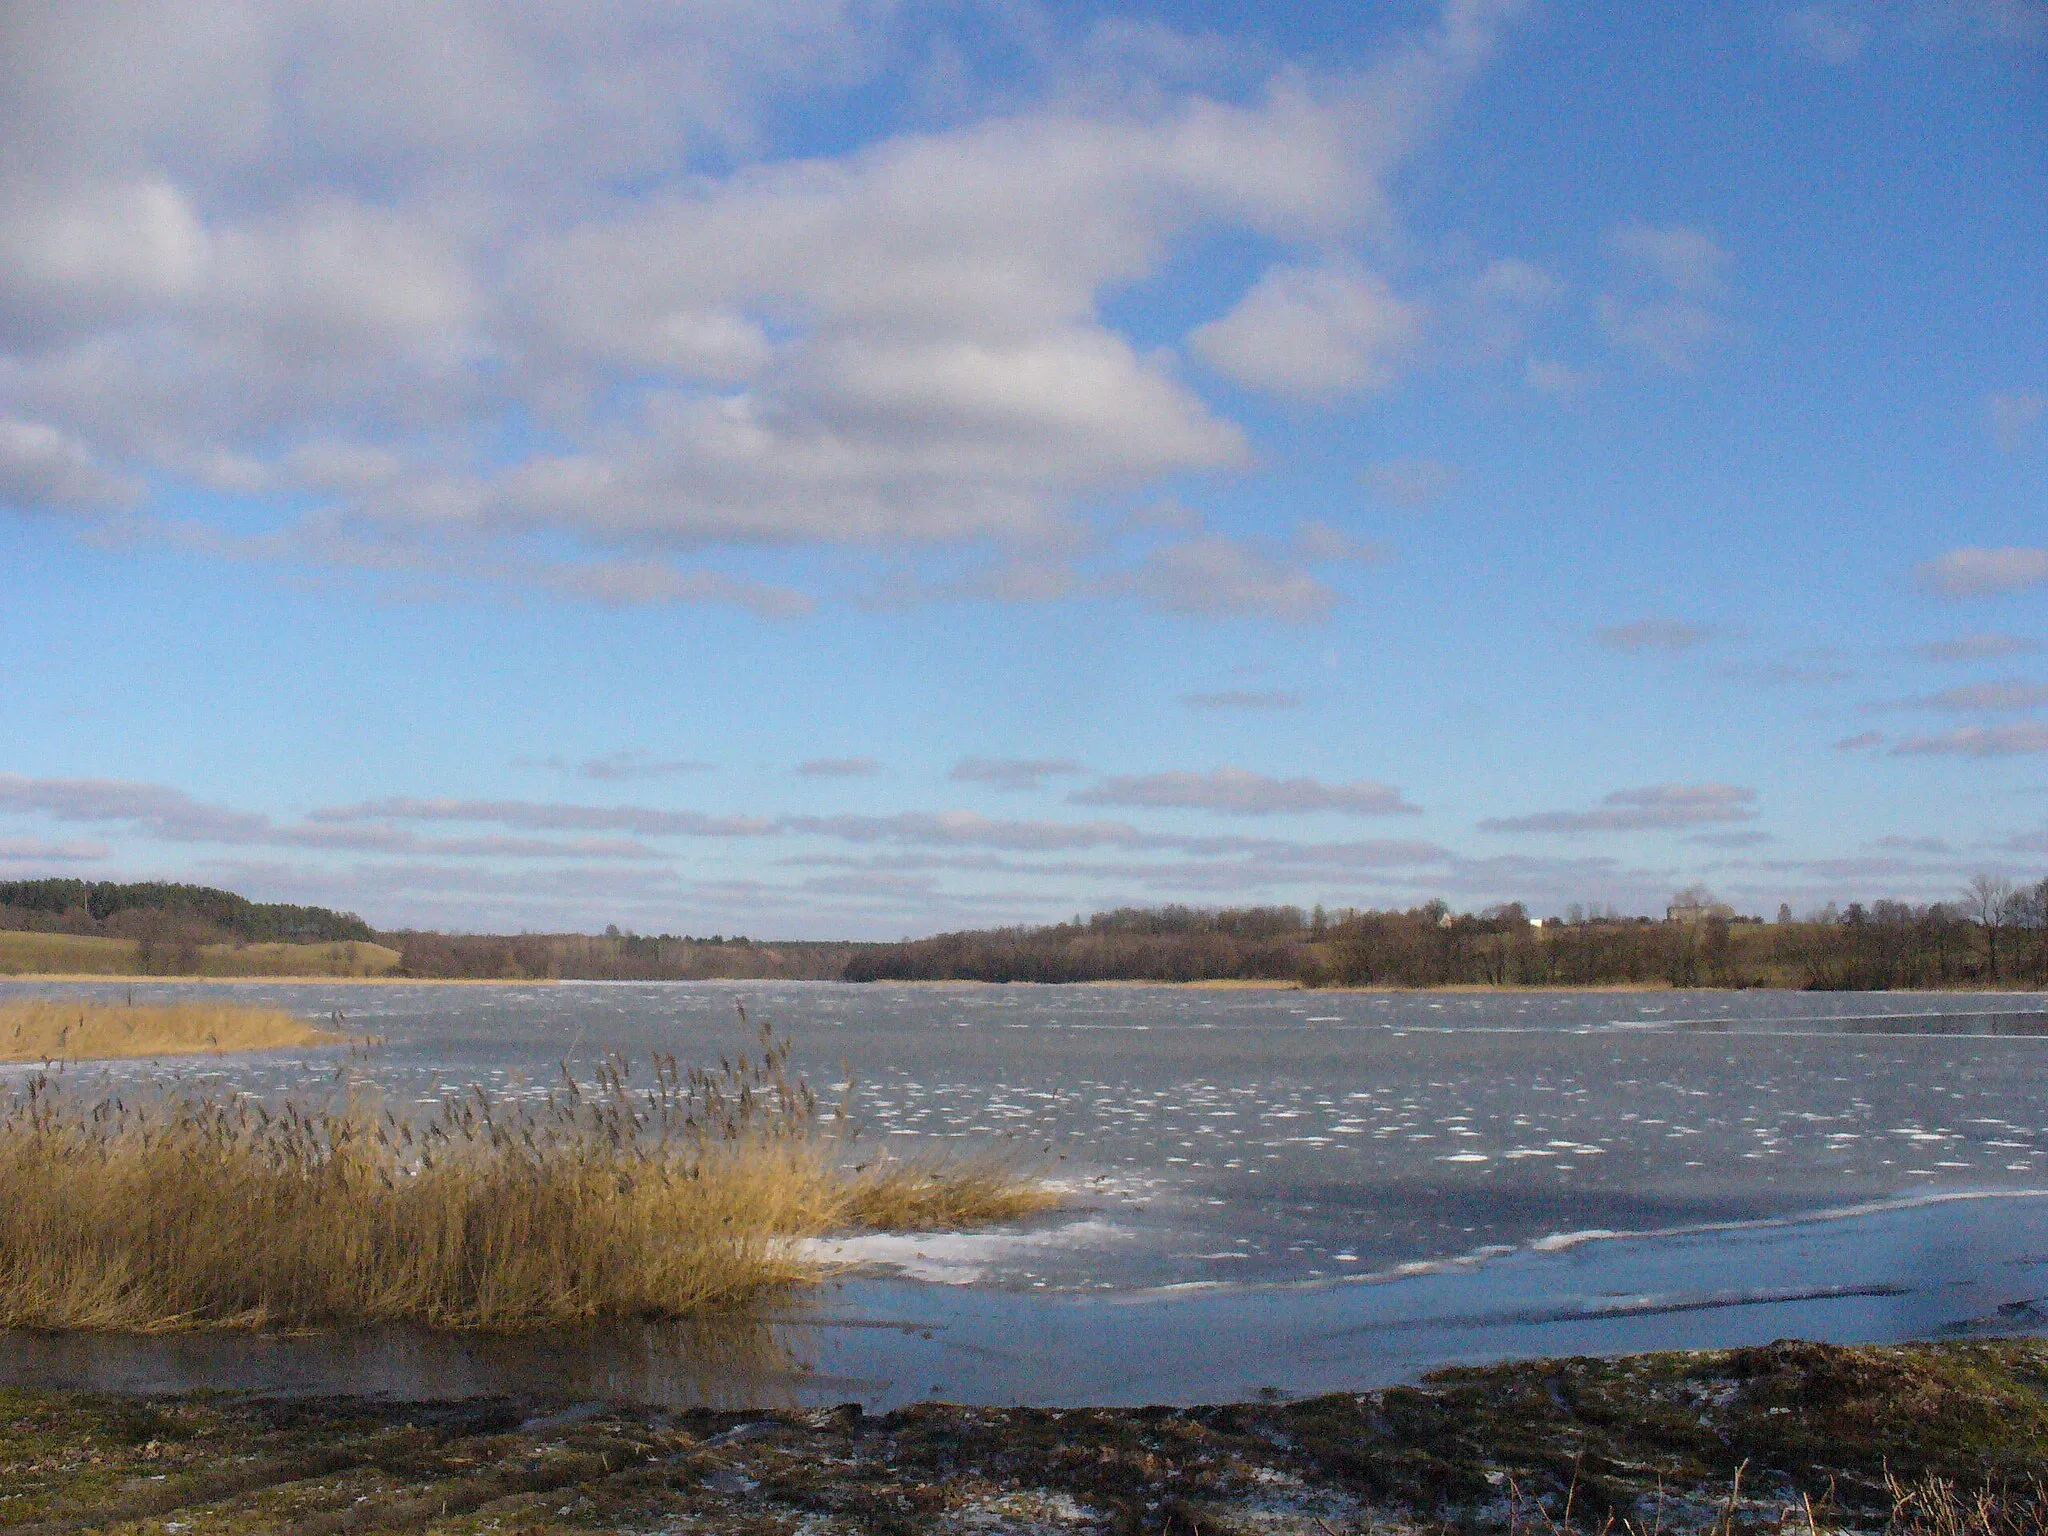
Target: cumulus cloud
(2016, 738)
(1666, 307)
(1977, 648)
(1218, 577)
(1012, 773)
(45, 470)
(1243, 699)
(155, 809)
(839, 768)
(1239, 792)
(1654, 634)
(1979, 572)
(901, 342)
(1314, 333)
(1654, 807)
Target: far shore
(1221, 984)
(117, 978)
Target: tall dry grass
(678, 1200)
(56, 1029)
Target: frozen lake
(1302, 1190)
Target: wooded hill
(1998, 937)
(106, 908)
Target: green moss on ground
(1655, 1442)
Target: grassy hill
(68, 954)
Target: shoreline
(1221, 984)
(115, 979)
(1682, 1441)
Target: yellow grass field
(153, 1214)
(64, 954)
(53, 1029)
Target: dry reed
(55, 1029)
(678, 1200)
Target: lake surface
(1276, 1189)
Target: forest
(109, 909)
(1994, 936)
(614, 956)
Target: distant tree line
(1173, 943)
(107, 908)
(1996, 935)
(612, 956)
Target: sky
(836, 468)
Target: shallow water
(1340, 1185)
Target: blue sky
(848, 469)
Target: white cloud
(1683, 259)
(1654, 634)
(1239, 792)
(513, 89)
(1985, 698)
(41, 851)
(95, 251)
(1012, 773)
(43, 469)
(1665, 309)
(1314, 332)
(2017, 738)
(1655, 807)
(1984, 572)
(294, 250)
(617, 767)
(1213, 576)
(1862, 741)
(162, 812)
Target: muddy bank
(1656, 1441)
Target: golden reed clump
(678, 1200)
(54, 1029)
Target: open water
(1268, 1189)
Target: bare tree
(1987, 902)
